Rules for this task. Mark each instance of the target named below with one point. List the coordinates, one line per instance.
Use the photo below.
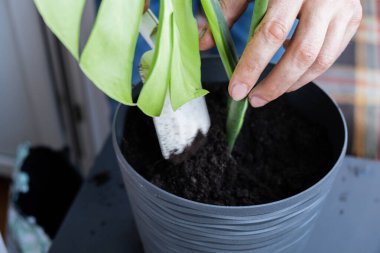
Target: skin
(146, 5)
(325, 28)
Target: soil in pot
(278, 154)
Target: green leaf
(185, 82)
(153, 93)
(63, 18)
(227, 51)
(221, 34)
(146, 65)
(258, 14)
(224, 43)
(176, 61)
(108, 55)
(237, 109)
(235, 120)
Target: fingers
(301, 54)
(146, 5)
(232, 10)
(330, 51)
(340, 32)
(267, 39)
(324, 30)
(353, 26)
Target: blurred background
(47, 104)
(45, 99)
(50, 110)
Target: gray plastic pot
(168, 223)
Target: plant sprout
(227, 52)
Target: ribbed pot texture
(168, 223)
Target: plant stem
(227, 51)
(237, 109)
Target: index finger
(267, 39)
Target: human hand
(324, 31)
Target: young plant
(227, 52)
(174, 64)
(108, 54)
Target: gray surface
(350, 220)
(100, 219)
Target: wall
(27, 103)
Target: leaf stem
(227, 51)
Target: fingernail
(239, 91)
(257, 101)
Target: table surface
(100, 219)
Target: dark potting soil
(53, 184)
(278, 154)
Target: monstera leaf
(108, 54)
(172, 68)
(176, 61)
(63, 17)
(107, 58)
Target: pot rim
(280, 202)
